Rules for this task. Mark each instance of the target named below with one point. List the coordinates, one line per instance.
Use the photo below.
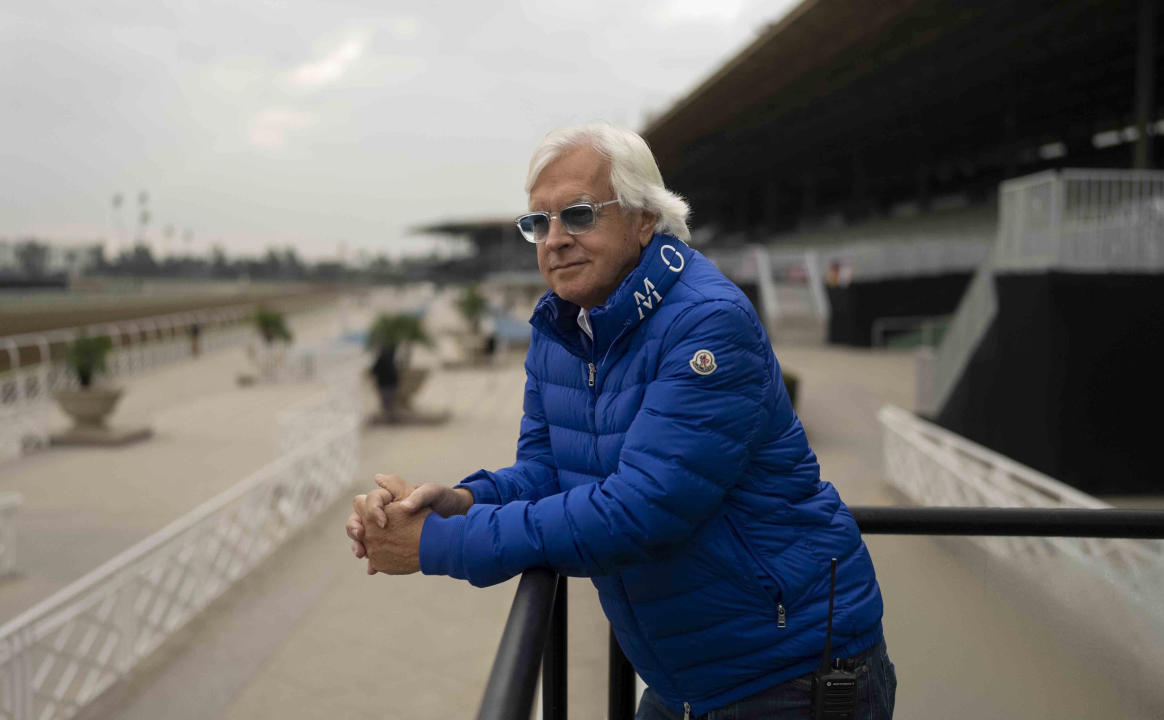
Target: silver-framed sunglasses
(576, 219)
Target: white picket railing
(139, 345)
(1082, 221)
(61, 654)
(935, 467)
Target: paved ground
(309, 635)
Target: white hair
(634, 174)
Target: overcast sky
(333, 127)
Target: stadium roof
(848, 104)
(468, 226)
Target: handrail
(997, 522)
(510, 690)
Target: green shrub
(271, 325)
(397, 329)
(86, 357)
(473, 306)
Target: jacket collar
(636, 298)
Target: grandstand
(855, 166)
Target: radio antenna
(828, 648)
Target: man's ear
(646, 227)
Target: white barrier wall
(935, 467)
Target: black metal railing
(535, 633)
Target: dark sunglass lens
(534, 226)
(578, 218)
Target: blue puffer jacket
(664, 461)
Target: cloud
(722, 12)
(270, 128)
(404, 27)
(328, 69)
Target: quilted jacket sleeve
(687, 446)
(534, 475)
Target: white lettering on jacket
(649, 299)
(663, 254)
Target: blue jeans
(876, 687)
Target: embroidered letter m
(648, 299)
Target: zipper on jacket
(780, 618)
(686, 711)
(592, 373)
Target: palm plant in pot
(392, 338)
(91, 403)
(272, 325)
(272, 328)
(473, 306)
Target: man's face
(585, 269)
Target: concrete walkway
(309, 635)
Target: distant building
(73, 260)
(498, 248)
(34, 262)
(8, 261)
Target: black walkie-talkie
(834, 688)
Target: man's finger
(355, 532)
(394, 484)
(355, 527)
(358, 549)
(358, 504)
(374, 506)
(371, 570)
(423, 496)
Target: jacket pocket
(756, 571)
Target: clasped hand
(385, 524)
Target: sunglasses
(576, 219)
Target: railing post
(554, 659)
(620, 703)
(23, 692)
(126, 621)
(13, 364)
(509, 693)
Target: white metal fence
(138, 345)
(934, 467)
(1083, 220)
(61, 654)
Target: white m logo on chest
(647, 298)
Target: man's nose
(557, 237)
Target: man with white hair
(659, 455)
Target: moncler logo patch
(703, 362)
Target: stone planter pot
(410, 382)
(399, 411)
(89, 407)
